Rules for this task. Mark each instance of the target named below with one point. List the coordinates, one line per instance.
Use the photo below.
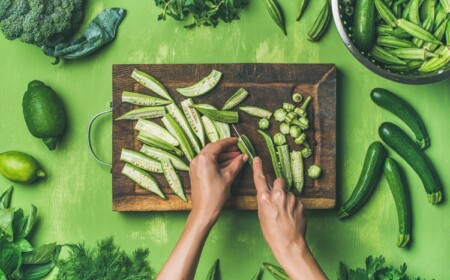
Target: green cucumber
(400, 142)
(364, 25)
(172, 178)
(399, 107)
(273, 154)
(371, 173)
(399, 190)
(142, 178)
(160, 154)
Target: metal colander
(344, 22)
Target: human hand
(212, 172)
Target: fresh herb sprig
(207, 13)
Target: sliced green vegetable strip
(150, 140)
(193, 118)
(152, 129)
(139, 160)
(301, 6)
(417, 31)
(371, 173)
(172, 178)
(246, 147)
(218, 115)
(256, 111)
(399, 190)
(235, 99)
(151, 83)
(160, 154)
(143, 113)
(276, 13)
(277, 272)
(142, 178)
(321, 23)
(176, 130)
(400, 142)
(210, 128)
(399, 107)
(213, 273)
(142, 99)
(203, 86)
(223, 129)
(178, 116)
(249, 144)
(285, 161)
(273, 154)
(297, 167)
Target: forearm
(183, 261)
(299, 263)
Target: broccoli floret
(40, 22)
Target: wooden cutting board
(269, 86)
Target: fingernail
(245, 158)
(256, 159)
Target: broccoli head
(40, 22)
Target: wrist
(202, 219)
(289, 255)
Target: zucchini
(152, 141)
(178, 116)
(203, 86)
(399, 190)
(371, 173)
(273, 154)
(143, 113)
(235, 99)
(142, 178)
(399, 107)
(151, 83)
(210, 128)
(159, 154)
(297, 167)
(153, 130)
(277, 272)
(400, 142)
(193, 119)
(364, 25)
(285, 161)
(142, 99)
(142, 161)
(218, 115)
(172, 178)
(176, 130)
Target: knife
(268, 182)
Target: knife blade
(268, 182)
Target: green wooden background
(75, 201)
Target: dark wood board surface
(269, 86)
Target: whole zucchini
(364, 25)
(394, 104)
(400, 142)
(369, 178)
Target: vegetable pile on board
(377, 162)
(187, 130)
(18, 258)
(49, 25)
(404, 36)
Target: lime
(44, 113)
(20, 167)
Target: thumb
(235, 166)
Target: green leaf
(18, 223)
(6, 223)
(34, 272)
(342, 273)
(2, 275)
(5, 199)
(10, 259)
(28, 223)
(41, 255)
(23, 245)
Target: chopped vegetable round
(314, 171)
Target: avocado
(20, 167)
(44, 113)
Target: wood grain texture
(269, 86)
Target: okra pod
(273, 154)
(414, 15)
(301, 6)
(211, 131)
(140, 160)
(385, 30)
(193, 119)
(246, 147)
(437, 63)
(384, 56)
(213, 273)
(172, 178)
(321, 23)
(411, 65)
(203, 86)
(276, 13)
(178, 132)
(441, 15)
(235, 99)
(218, 115)
(143, 113)
(285, 161)
(160, 154)
(417, 31)
(439, 34)
(277, 272)
(297, 167)
(151, 83)
(256, 111)
(393, 42)
(179, 117)
(386, 13)
(413, 54)
(142, 178)
(446, 5)
(142, 99)
(154, 130)
(152, 141)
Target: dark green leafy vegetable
(100, 32)
(208, 13)
(376, 268)
(106, 261)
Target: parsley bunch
(203, 12)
